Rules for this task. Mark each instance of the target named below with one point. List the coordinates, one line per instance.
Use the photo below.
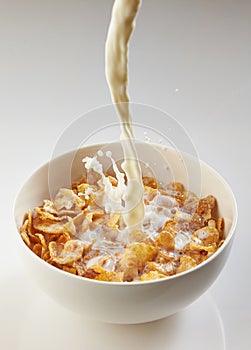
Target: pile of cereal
(75, 234)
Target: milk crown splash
(120, 30)
(113, 195)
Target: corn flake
(151, 275)
(203, 211)
(65, 254)
(109, 276)
(186, 263)
(207, 235)
(134, 258)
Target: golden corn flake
(186, 263)
(43, 243)
(37, 249)
(46, 215)
(65, 254)
(29, 223)
(203, 212)
(176, 187)
(48, 226)
(69, 269)
(109, 276)
(113, 220)
(63, 238)
(165, 239)
(24, 234)
(206, 235)
(67, 199)
(220, 226)
(177, 191)
(167, 268)
(151, 275)
(150, 182)
(134, 258)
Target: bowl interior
(162, 163)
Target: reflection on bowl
(126, 302)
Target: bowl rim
(226, 242)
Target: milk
(119, 33)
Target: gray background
(190, 58)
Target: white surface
(197, 56)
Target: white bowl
(127, 302)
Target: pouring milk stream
(119, 33)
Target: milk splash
(113, 199)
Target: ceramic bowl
(128, 302)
